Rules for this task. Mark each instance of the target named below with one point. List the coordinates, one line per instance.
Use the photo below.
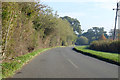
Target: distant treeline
(92, 34)
(29, 26)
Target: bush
(106, 46)
(82, 41)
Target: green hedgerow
(106, 45)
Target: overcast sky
(91, 13)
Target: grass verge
(105, 56)
(9, 68)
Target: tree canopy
(27, 26)
(94, 33)
(75, 24)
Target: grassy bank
(111, 57)
(9, 68)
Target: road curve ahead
(66, 63)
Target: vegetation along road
(29, 28)
(66, 63)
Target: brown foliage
(102, 37)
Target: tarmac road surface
(66, 63)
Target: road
(66, 63)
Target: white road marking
(73, 63)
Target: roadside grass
(9, 68)
(114, 57)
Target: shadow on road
(97, 57)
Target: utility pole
(114, 34)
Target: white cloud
(72, 14)
(106, 4)
(78, 0)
